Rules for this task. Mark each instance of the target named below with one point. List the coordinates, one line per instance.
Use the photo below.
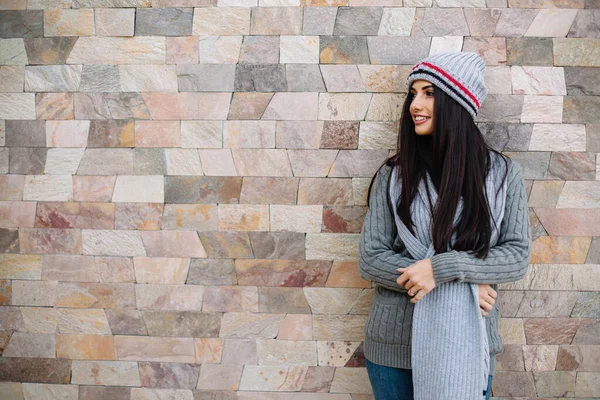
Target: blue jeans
(396, 383)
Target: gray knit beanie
(459, 74)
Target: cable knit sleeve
(509, 259)
(378, 258)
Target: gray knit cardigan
(381, 251)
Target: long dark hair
(462, 157)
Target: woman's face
(421, 106)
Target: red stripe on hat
(447, 76)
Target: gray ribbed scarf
(450, 351)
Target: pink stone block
(220, 377)
(288, 273)
(208, 350)
(73, 133)
(173, 244)
(93, 188)
(182, 50)
(50, 241)
(11, 187)
(75, 215)
(69, 268)
(161, 270)
(157, 134)
(15, 214)
(570, 221)
(162, 349)
(296, 327)
(115, 269)
(230, 298)
(187, 105)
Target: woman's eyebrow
(423, 88)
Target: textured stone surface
(247, 325)
(281, 272)
(162, 349)
(529, 51)
(108, 373)
(283, 300)
(517, 384)
(576, 52)
(276, 21)
(203, 190)
(169, 297)
(277, 245)
(212, 272)
(276, 378)
(284, 352)
(343, 50)
(226, 244)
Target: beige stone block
(261, 162)
(351, 380)
(442, 44)
(385, 107)
(546, 109)
(221, 21)
(65, 22)
(243, 217)
(378, 135)
(217, 162)
(40, 319)
(559, 249)
(276, 21)
(296, 218)
(63, 161)
(48, 188)
(159, 349)
(384, 78)
(293, 106)
(85, 347)
(148, 78)
(296, 327)
(208, 350)
(558, 137)
(220, 377)
(298, 134)
(344, 106)
(173, 244)
(169, 297)
(49, 391)
(339, 327)
(512, 331)
(545, 193)
(187, 105)
(335, 353)
(249, 134)
(548, 81)
(199, 217)
(202, 134)
(251, 326)
(16, 266)
(230, 299)
(139, 189)
(161, 270)
(587, 384)
(12, 390)
(286, 352)
(114, 21)
(69, 268)
(331, 300)
(552, 23)
(34, 293)
(498, 79)
(311, 163)
(220, 49)
(115, 269)
(157, 133)
(112, 243)
(579, 194)
(105, 373)
(272, 378)
(299, 49)
(183, 162)
(85, 321)
(116, 50)
(332, 246)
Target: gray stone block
(581, 109)
(304, 78)
(506, 137)
(27, 160)
(398, 50)
(149, 162)
(534, 164)
(343, 50)
(358, 20)
(529, 51)
(100, 78)
(21, 24)
(260, 50)
(163, 21)
(25, 133)
(52, 50)
(501, 108)
(205, 77)
(260, 78)
(582, 81)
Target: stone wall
(183, 184)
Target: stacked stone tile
(183, 182)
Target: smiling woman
(447, 222)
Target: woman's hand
(486, 298)
(417, 279)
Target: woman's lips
(419, 122)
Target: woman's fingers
(485, 305)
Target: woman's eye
(429, 93)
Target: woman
(447, 222)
